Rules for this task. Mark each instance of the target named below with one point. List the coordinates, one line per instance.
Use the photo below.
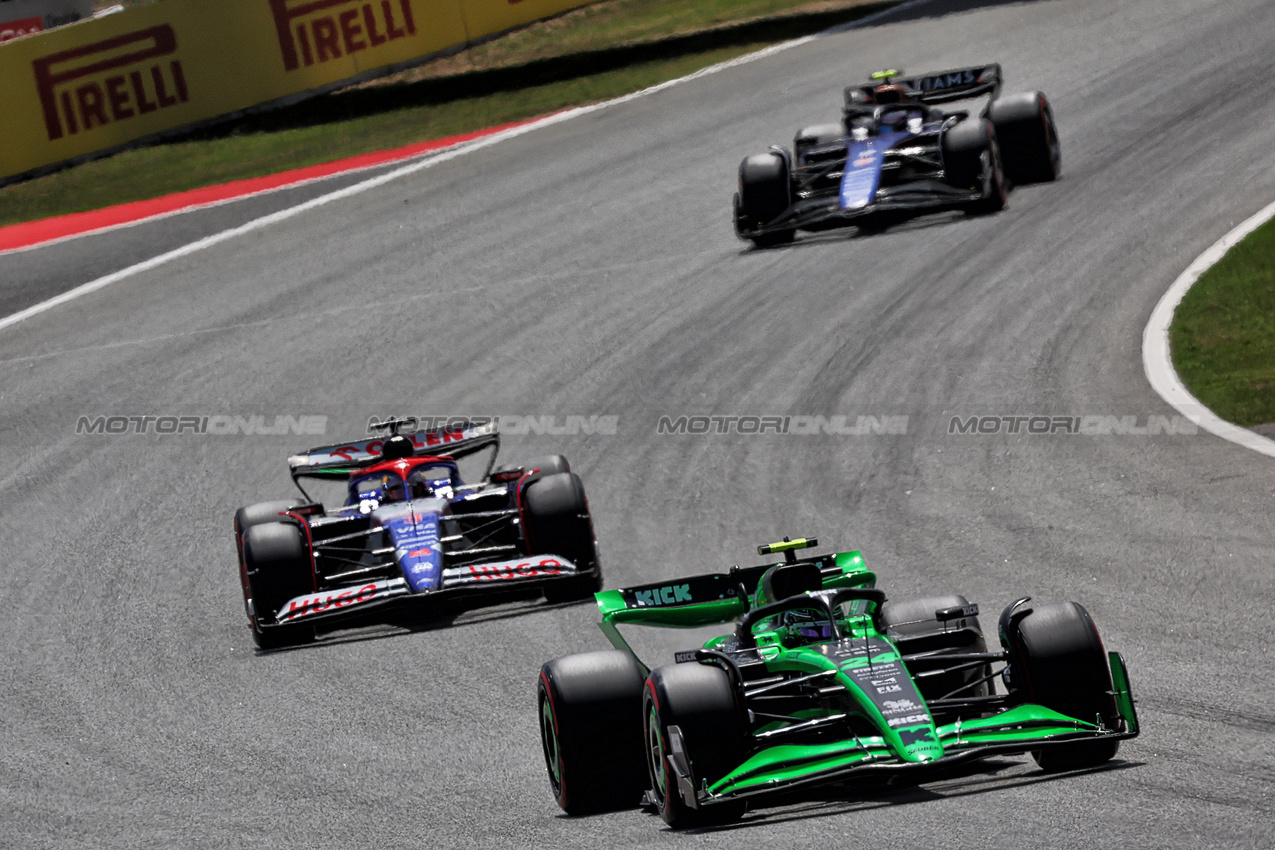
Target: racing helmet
(396, 448)
(806, 626)
(783, 581)
(890, 93)
(385, 488)
(392, 489)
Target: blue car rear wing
(343, 459)
(941, 87)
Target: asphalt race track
(589, 268)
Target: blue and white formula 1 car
(895, 155)
(410, 530)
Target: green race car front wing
(1021, 729)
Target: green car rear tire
(590, 714)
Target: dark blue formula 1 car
(896, 155)
(410, 530)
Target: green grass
(592, 54)
(1223, 333)
(614, 22)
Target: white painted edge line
(221, 202)
(1155, 344)
(427, 161)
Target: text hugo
(498, 572)
(316, 604)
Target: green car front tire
(1061, 664)
(700, 701)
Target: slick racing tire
(1058, 661)
(915, 618)
(590, 711)
(557, 522)
(700, 701)
(1028, 137)
(971, 160)
(247, 517)
(765, 192)
(277, 567)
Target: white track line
(1155, 344)
(428, 161)
(220, 202)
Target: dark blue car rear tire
(1028, 137)
(262, 512)
(549, 464)
(245, 518)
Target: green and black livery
(822, 680)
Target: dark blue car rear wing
(940, 87)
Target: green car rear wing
(713, 598)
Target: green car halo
(821, 680)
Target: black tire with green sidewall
(590, 715)
(702, 702)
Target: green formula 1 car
(822, 680)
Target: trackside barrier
(100, 84)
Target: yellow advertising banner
(100, 84)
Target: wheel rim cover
(553, 757)
(655, 753)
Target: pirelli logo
(315, 31)
(113, 80)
